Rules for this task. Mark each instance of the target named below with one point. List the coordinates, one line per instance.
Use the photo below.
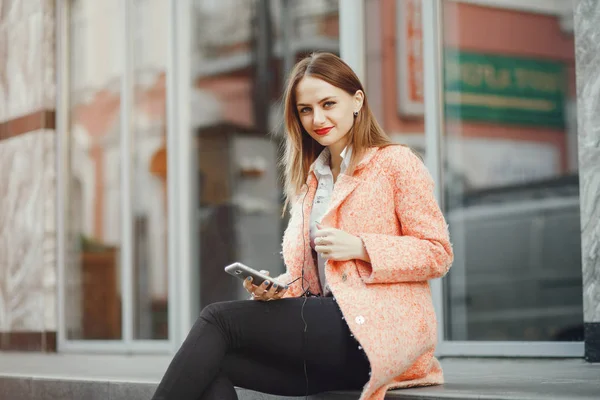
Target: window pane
(394, 78)
(92, 297)
(510, 160)
(511, 180)
(240, 52)
(149, 169)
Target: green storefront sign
(506, 90)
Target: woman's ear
(359, 98)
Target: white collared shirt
(322, 199)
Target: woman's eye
(304, 110)
(328, 104)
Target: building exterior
(139, 145)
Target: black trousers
(263, 346)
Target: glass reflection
(510, 176)
(149, 170)
(241, 51)
(511, 180)
(92, 287)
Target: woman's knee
(211, 313)
(222, 314)
(225, 317)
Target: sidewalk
(25, 376)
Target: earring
(355, 114)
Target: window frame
(127, 344)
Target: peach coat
(389, 203)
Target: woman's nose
(318, 117)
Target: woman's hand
(261, 293)
(337, 245)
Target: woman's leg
(220, 388)
(263, 346)
(289, 378)
(256, 375)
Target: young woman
(364, 238)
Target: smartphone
(242, 271)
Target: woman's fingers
(257, 292)
(325, 237)
(320, 241)
(264, 291)
(272, 291)
(261, 289)
(248, 285)
(325, 251)
(322, 249)
(280, 294)
(325, 232)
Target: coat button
(360, 320)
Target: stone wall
(27, 175)
(587, 49)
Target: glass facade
(241, 52)
(98, 165)
(149, 197)
(93, 267)
(509, 179)
(509, 176)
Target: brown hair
(301, 150)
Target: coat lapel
(345, 185)
(309, 267)
(312, 183)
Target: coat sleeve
(289, 275)
(423, 251)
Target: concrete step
(22, 388)
(26, 376)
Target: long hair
(301, 150)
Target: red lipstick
(323, 131)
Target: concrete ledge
(22, 388)
(27, 376)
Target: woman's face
(326, 111)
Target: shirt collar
(346, 157)
(322, 166)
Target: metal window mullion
(187, 173)
(62, 161)
(352, 36)
(126, 151)
(172, 237)
(184, 278)
(511, 349)
(118, 347)
(433, 61)
(287, 27)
